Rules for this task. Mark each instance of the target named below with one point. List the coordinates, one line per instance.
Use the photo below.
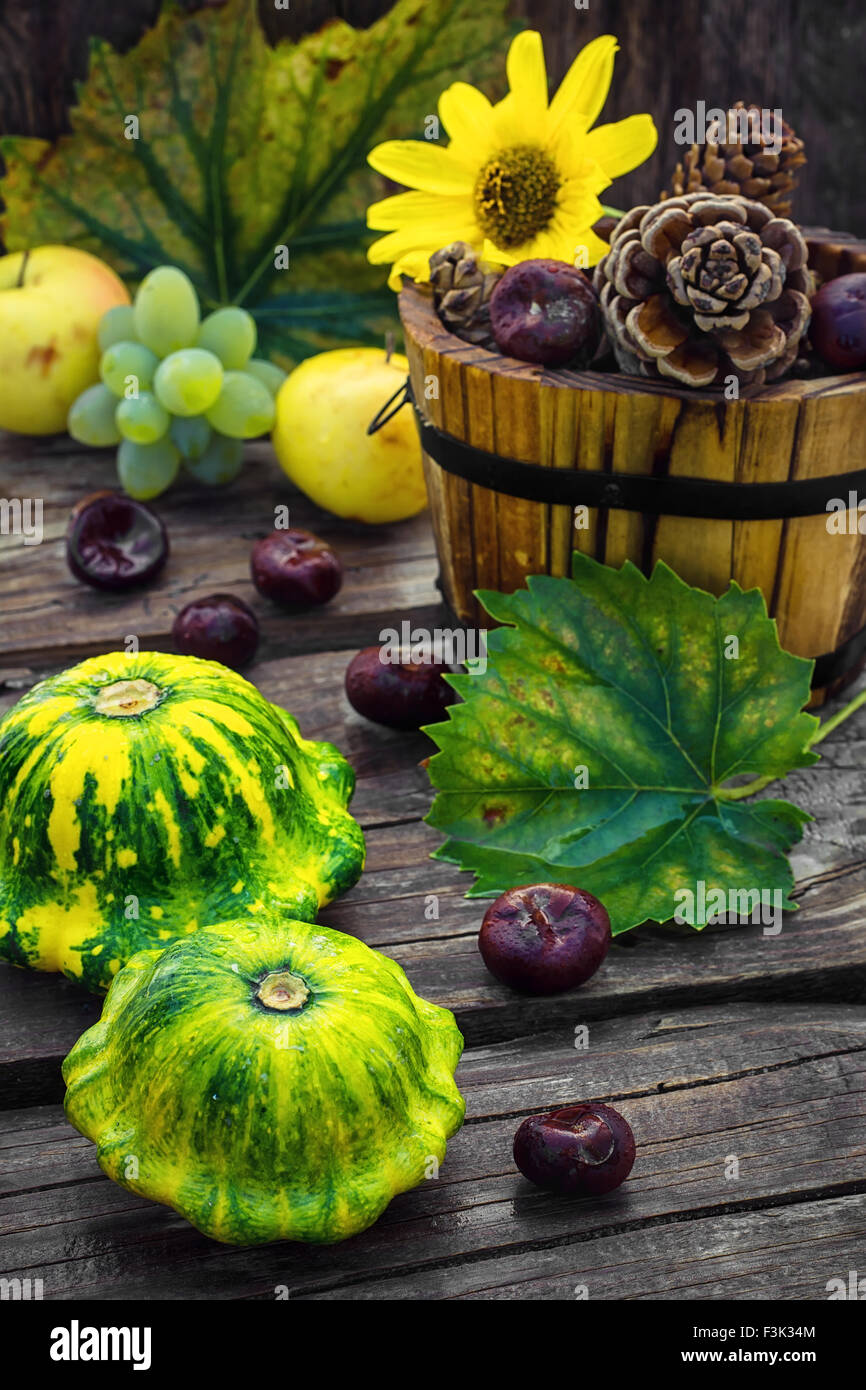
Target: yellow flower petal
(580, 247)
(516, 124)
(394, 249)
(430, 210)
(527, 75)
(415, 241)
(571, 156)
(577, 206)
(410, 239)
(420, 164)
(467, 116)
(415, 263)
(498, 254)
(622, 145)
(583, 90)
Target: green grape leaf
(205, 147)
(605, 744)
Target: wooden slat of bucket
(420, 364)
(562, 409)
(485, 541)
(821, 587)
(522, 524)
(594, 419)
(765, 452)
(459, 571)
(643, 425)
(705, 444)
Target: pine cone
(744, 166)
(462, 286)
(700, 287)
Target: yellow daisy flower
(518, 179)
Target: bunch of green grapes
(175, 388)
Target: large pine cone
(462, 286)
(743, 165)
(700, 288)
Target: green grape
(146, 470)
(117, 325)
(166, 310)
(220, 462)
(127, 366)
(268, 373)
(244, 407)
(142, 419)
(91, 417)
(230, 334)
(189, 381)
(191, 434)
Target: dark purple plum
(295, 569)
(581, 1150)
(838, 327)
(400, 695)
(547, 312)
(544, 937)
(219, 627)
(115, 543)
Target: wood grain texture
(710, 1086)
(388, 569)
(732, 1257)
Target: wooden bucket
(513, 413)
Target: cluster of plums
(541, 938)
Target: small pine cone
(462, 286)
(742, 162)
(700, 288)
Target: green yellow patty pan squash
(270, 1081)
(144, 796)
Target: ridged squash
(269, 1081)
(144, 796)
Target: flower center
(515, 194)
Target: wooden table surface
(738, 1059)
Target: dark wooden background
(806, 56)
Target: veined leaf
(603, 745)
(207, 148)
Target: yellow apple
(48, 323)
(320, 435)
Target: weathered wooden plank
(789, 1107)
(49, 618)
(728, 1257)
(820, 954)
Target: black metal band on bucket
(704, 498)
(709, 499)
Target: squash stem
(122, 699)
(283, 991)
